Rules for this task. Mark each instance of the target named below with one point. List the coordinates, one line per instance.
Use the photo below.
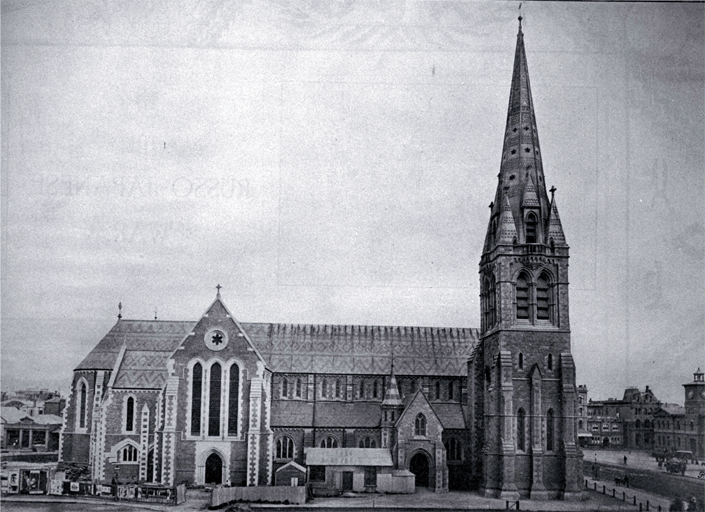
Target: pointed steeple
(391, 395)
(507, 228)
(521, 179)
(555, 228)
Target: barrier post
(634, 500)
(604, 488)
(613, 493)
(624, 496)
(507, 507)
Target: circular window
(216, 339)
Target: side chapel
(220, 401)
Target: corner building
(220, 401)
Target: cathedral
(219, 401)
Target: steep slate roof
(148, 345)
(289, 348)
(451, 415)
(299, 413)
(356, 349)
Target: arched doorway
(419, 467)
(214, 469)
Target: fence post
(624, 496)
(613, 493)
(594, 486)
(518, 505)
(604, 488)
(647, 504)
(640, 506)
(507, 505)
(635, 500)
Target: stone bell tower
(522, 374)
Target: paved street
(635, 459)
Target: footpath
(636, 497)
(421, 501)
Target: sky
(333, 162)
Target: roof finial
(119, 310)
(520, 16)
(552, 191)
(218, 287)
(155, 312)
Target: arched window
(521, 361)
(367, 442)
(580, 424)
(454, 450)
(637, 424)
(285, 448)
(549, 430)
(692, 426)
(438, 390)
(412, 385)
(329, 442)
(521, 430)
(550, 362)
(285, 387)
(362, 389)
(542, 298)
(580, 411)
(298, 388)
(420, 425)
(127, 454)
(337, 388)
(375, 389)
(82, 393)
(130, 414)
(522, 291)
(196, 390)
(214, 401)
(451, 389)
(531, 228)
(233, 399)
(324, 390)
(492, 302)
(678, 425)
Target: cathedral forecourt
(219, 401)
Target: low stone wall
(268, 494)
(663, 484)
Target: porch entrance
(419, 467)
(214, 469)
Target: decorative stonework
(144, 441)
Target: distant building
(584, 435)
(683, 428)
(637, 412)
(20, 431)
(55, 406)
(605, 423)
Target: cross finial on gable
(119, 310)
(218, 287)
(553, 191)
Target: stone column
(506, 428)
(571, 454)
(538, 490)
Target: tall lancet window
(542, 298)
(550, 430)
(531, 225)
(233, 399)
(82, 404)
(522, 291)
(196, 390)
(130, 414)
(521, 430)
(491, 302)
(214, 401)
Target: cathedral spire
(521, 180)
